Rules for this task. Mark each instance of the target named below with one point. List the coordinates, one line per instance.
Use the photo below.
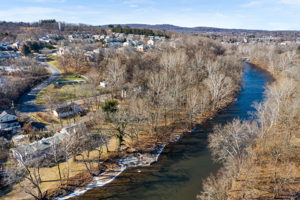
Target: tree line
(136, 31)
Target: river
(182, 166)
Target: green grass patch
(54, 63)
(52, 60)
(40, 97)
(71, 77)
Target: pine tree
(25, 50)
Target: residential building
(150, 42)
(140, 48)
(128, 44)
(67, 110)
(36, 151)
(104, 84)
(9, 122)
(9, 54)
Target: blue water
(182, 166)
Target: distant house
(46, 39)
(4, 46)
(96, 37)
(12, 68)
(85, 36)
(90, 56)
(104, 84)
(73, 36)
(16, 45)
(67, 110)
(150, 42)
(9, 54)
(9, 122)
(103, 37)
(61, 51)
(115, 44)
(128, 44)
(137, 43)
(140, 48)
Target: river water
(182, 166)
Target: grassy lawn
(52, 60)
(63, 93)
(39, 98)
(54, 63)
(71, 77)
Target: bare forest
(153, 95)
(261, 158)
(25, 73)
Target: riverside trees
(165, 88)
(261, 161)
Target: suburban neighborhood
(82, 104)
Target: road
(27, 102)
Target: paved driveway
(27, 102)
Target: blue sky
(251, 14)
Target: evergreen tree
(25, 50)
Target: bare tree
(229, 143)
(22, 168)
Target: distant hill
(69, 27)
(179, 29)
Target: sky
(248, 14)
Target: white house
(140, 48)
(96, 37)
(46, 39)
(127, 44)
(9, 122)
(103, 37)
(67, 110)
(62, 50)
(150, 42)
(104, 84)
(16, 45)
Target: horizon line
(157, 24)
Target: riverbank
(113, 163)
(269, 168)
(143, 152)
(142, 155)
(272, 171)
(184, 165)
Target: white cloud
(137, 3)
(45, 1)
(251, 4)
(291, 2)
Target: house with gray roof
(9, 122)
